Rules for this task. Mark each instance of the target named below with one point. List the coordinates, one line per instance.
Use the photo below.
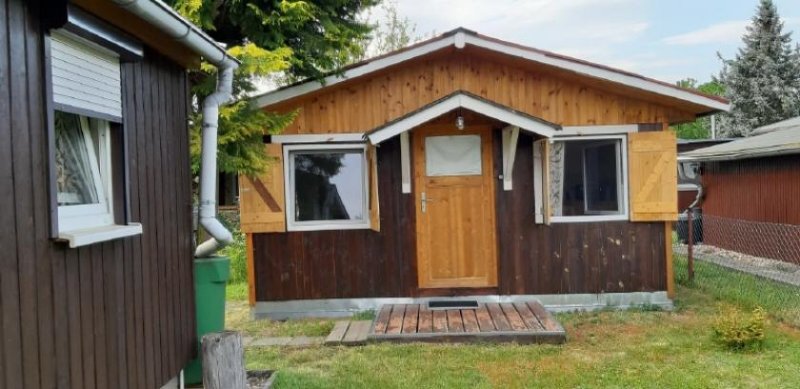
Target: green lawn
(634, 348)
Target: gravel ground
(765, 267)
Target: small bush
(737, 330)
(237, 253)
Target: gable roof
(774, 139)
(461, 38)
(466, 100)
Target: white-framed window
(588, 179)
(326, 186)
(86, 98)
(83, 172)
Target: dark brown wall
(347, 263)
(112, 315)
(758, 189)
(570, 257)
(752, 206)
(563, 258)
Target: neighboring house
(469, 167)
(752, 187)
(96, 282)
(689, 178)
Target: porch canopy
(468, 101)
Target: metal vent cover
(452, 304)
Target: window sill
(588, 218)
(85, 237)
(327, 227)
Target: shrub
(737, 330)
(237, 253)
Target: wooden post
(670, 269)
(690, 249)
(223, 361)
(251, 269)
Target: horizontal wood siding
(363, 104)
(758, 189)
(112, 315)
(533, 259)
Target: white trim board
(598, 130)
(289, 309)
(461, 38)
(318, 138)
(455, 101)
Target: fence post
(690, 248)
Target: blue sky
(664, 39)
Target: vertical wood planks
(530, 88)
(85, 318)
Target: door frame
(487, 160)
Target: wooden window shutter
(374, 204)
(261, 199)
(653, 176)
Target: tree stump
(223, 361)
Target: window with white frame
(83, 172)
(327, 187)
(87, 110)
(588, 179)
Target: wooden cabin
(751, 187)
(465, 167)
(96, 282)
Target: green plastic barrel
(210, 277)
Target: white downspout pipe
(168, 21)
(220, 236)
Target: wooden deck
(522, 322)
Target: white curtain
(74, 177)
(556, 194)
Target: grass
(639, 348)
(237, 318)
(782, 302)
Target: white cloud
(725, 32)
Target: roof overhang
(733, 156)
(467, 101)
(461, 38)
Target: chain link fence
(746, 262)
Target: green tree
(300, 39)
(390, 31)
(763, 81)
(700, 128)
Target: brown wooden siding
(685, 199)
(117, 314)
(363, 104)
(751, 206)
(570, 257)
(345, 263)
(533, 259)
(758, 189)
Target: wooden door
(454, 190)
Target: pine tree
(763, 81)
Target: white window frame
(622, 185)
(86, 216)
(321, 225)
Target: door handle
(424, 202)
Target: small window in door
(456, 155)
